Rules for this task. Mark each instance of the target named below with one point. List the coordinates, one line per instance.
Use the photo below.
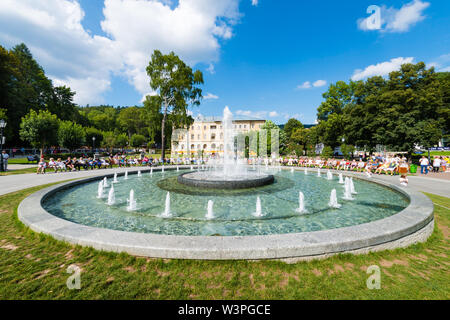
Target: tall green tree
(410, 105)
(131, 120)
(62, 104)
(292, 125)
(71, 135)
(177, 86)
(444, 111)
(36, 90)
(337, 97)
(39, 129)
(298, 141)
(121, 140)
(137, 140)
(90, 133)
(330, 113)
(362, 117)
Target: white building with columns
(205, 135)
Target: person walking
(424, 165)
(5, 157)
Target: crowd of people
(369, 165)
(89, 163)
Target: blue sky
(266, 58)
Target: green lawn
(33, 266)
(435, 153)
(20, 161)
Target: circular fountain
(229, 210)
(231, 173)
(209, 180)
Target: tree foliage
(137, 140)
(39, 129)
(71, 135)
(292, 125)
(408, 108)
(176, 85)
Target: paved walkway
(13, 183)
(439, 187)
(20, 166)
(18, 182)
(441, 175)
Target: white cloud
(319, 83)
(308, 85)
(210, 96)
(441, 64)
(305, 85)
(398, 20)
(273, 114)
(192, 30)
(288, 116)
(70, 55)
(254, 3)
(211, 69)
(53, 32)
(381, 69)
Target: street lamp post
(93, 144)
(2, 126)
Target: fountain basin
(204, 179)
(411, 225)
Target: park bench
(33, 158)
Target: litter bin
(413, 168)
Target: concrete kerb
(411, 225)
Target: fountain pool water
(210, 212)
(233, 209)
(100, 192)
(333, 200)
(301, 203)
(132, 204)
(111, 197)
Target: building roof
(219, 119)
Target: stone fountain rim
(414, 223)
(252, 182)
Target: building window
(205, 146)
(221, 135)
(213, 147)
(213, 127)
(240, 126)
(204, 127)
(213, 136)
(198, 137)
(192, 147)
(204, 136)
(192, 136)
